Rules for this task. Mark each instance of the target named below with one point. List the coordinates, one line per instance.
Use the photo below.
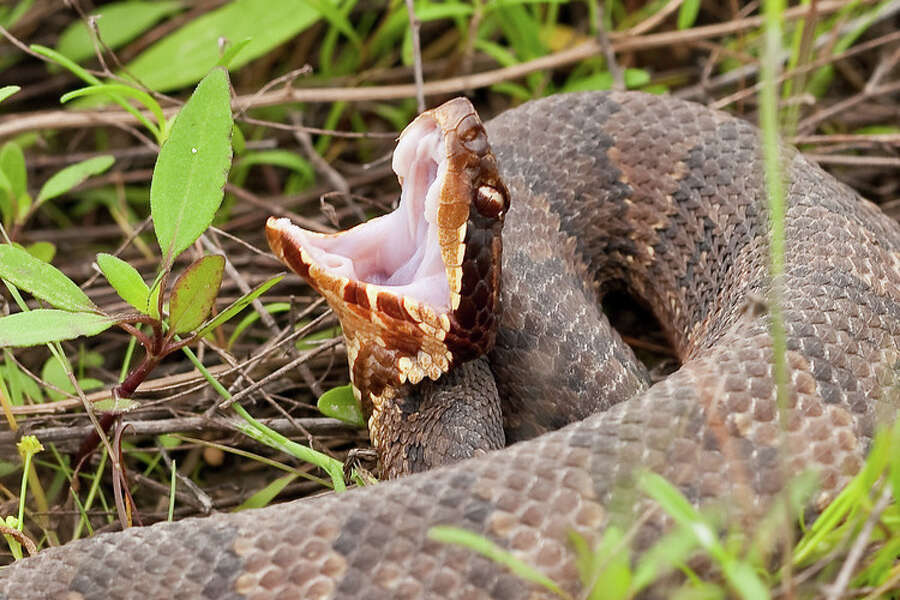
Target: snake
(480, 299)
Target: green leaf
(675, 548)
(54, 373)
(894, 463)
(329, 10)
(238, 141)
(126, 280)
(83, 74)
(312, 340)
(41, 280)
(264, 496)
(118, 24)
(687, 14)
(20, 386)
(153, 300)
(15, 13)
(239, 305)
(183, 57)
(6, 200)
(90, 383)
(252, 317)
(278, 158)
(66, 179)
(43, 251)
(190, 172)
(168, 441)
(12, 163)
(604, 80)
(195, 292)
(677, 506)
(743, 578)
(340, 403)
(8, 90)
(607, 568)
(15, 202)
(49, 325)
(63, 61)
(231, 51)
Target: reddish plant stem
(123, 390)
(136, 377)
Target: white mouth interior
(398, 251)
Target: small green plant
(16, 203)
(186, 191)
(28, 446)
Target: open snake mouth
(415, 290)
(397, 253)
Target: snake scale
(664, 199)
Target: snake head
(416, 290)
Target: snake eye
(489, 201)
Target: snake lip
(416, 290)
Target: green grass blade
(490, 550)
(238, 305)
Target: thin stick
(414, 25)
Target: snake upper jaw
(416, 290)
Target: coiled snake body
(659, 196)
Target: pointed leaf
(447, 534)
(6, 201)
(49, 325)
(264, 496)
(41, 280)
(8, 90)
(340, 403)
(239, 305)
(195, 292)
(19, 386)
(118, 24)
(54, 373)
(43, 251)
(66, 179)
(125, 279)
(231, 51)
(12, 163)
(184, 56)
(189, 176)
(153, 301)
(687, 14)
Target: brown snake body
(662, 198)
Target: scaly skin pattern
(663, 198)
